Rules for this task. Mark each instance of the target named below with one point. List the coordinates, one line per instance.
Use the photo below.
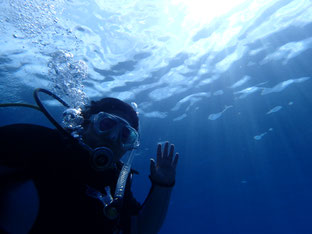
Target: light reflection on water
(156, 52)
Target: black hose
(46, 113)
(20, 104)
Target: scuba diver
(66, 181)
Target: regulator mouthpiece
(101, 158)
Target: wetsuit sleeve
(132, 205)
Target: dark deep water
(239, 112)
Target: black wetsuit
(61, 173)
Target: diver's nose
(115, 134)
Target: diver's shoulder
(27, 129)
(31, 138)
(24, 126)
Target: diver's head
(110, 125)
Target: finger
(171, 152)
(153, 167)
(158, 152)
(165, 153)
(175, 161)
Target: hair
(112, 106)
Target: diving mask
(116, 129)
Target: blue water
(228, 82)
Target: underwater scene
(228, 82)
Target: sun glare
(203, 11)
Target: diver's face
(95, 140)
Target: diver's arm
(154, 209)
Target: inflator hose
(46, 113)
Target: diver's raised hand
(164, 170)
